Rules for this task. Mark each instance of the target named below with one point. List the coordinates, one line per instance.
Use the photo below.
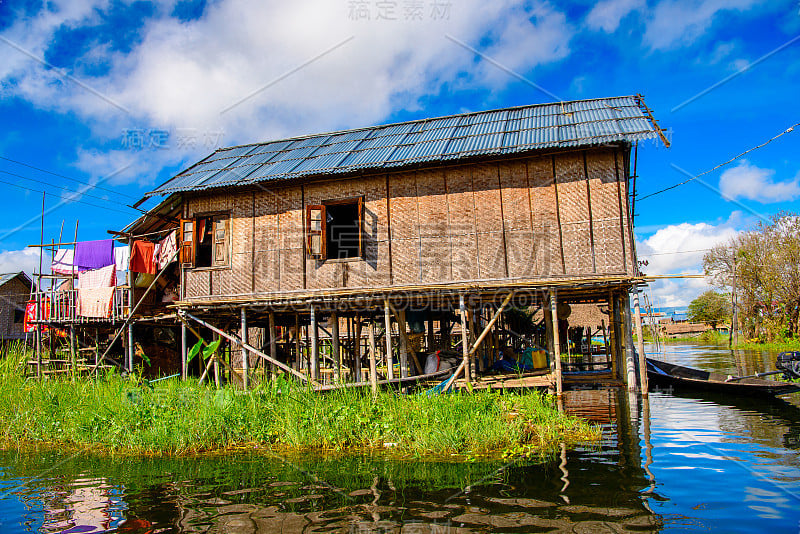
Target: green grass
(122, 415)
(772, 346)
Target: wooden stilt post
(403, 340)
(357, 348)
(297, 344)
(130, 348)
(335, 348)
(640, 342)
(184, 352)
(431, 335)
(314, 345)
(273, 344)
(462, 309)
(556, 343)
(613, 346)
(73, 357)
(215, 359)
(389, 358)
(245, 352)
(630, 360)
(373, 355)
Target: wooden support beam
(314, 371)
(184, 352)
(462, 308)
(129, 359)
(388, 329)
(630, 361)
(640, 342)
(335, 349)
(245, 353)
(486, 330)
(273, 345)
(401, 323)
(373, 356)
(357, 349)
(556, 343)
(297, 345)
(248, 347)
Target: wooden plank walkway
(540, 379)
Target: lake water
(675, 462)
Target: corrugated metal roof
(486, 133)
(7, 277)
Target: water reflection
(673, 461)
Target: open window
(335, 229)
(205, 241)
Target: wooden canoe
(669, 374)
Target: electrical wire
(65, 177)
(789, 129)
(70, 201)
(57, 186)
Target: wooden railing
(62, 307)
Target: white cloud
(679, 249)
(184, 74)
(754, 183)
(674, 23)
(27, 259)
(607, 15)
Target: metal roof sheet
(504, 131)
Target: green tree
(711, 307)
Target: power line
(789, 129)
(79, 201)
(57, 186)
(66, 177)
(676, 252)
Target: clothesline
(115, 238)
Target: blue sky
(112, 98)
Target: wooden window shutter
(221, 241)
(188, 240)
(316, 225)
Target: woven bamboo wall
(545, 216)
(13, 295)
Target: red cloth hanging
(142, 257)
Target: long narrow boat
(669, 374)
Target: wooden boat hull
(661, 374)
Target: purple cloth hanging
(94, 254)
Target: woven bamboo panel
(623, 200)
(403, 206)
(197, 284)
(376, 267)
(435, 260)
(375, 206)
(609, 250)
(291, 273)
(491, 255)
(266, 220)
(353, 274)
(464, 256)
(242, 272)
(290, 219)
(320, 275)
(520, 254)
(515, 194)
(266, 269)
(432, 203)
(543, 205)
(573, 206)
(221, 281)
(405, 261)
(488, 211)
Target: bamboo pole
(464, 344)
(314, 371)
(184, 348)
(133, 311)
(388, 329)
(249, 347)
(401, 323)
(357, 348)
(273, 346)
(556, 343)
(404, 344)
(245, 353)
(187, 326)
(640, 342)
(335, 348)
(297, 345)
(373, 355)
(630, 365)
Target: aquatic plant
(130, 415)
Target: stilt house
(371, 248)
